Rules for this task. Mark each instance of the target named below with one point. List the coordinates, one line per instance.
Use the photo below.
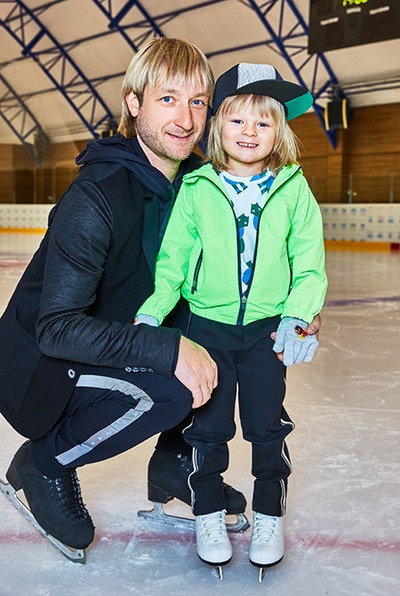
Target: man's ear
(132, 102)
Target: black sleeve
(79, 241)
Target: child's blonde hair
(286, 146)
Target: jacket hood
(128, 153)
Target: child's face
(247, 139)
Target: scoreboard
(336, 24)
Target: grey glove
(148, 319)
(293, 341)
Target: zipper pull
(242, 308)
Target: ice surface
(341, 527)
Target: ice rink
(342, 524)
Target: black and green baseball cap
(262, 79)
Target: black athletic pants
(109, 412)
(247, 366)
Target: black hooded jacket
(76, 300)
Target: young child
(244, 245)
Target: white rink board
(24, 216)
(361, 222)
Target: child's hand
(293, 341)
(148, 319)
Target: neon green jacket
(199, 256)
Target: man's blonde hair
(166, 59)
(286, 146)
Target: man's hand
(311, 329)
(196, 370)
(314, 327)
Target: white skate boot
(213, 544)
(267, 541)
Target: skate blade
(263, 569)
(218, 569)
(75, 555)
(158, 514)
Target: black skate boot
(55, 503)
(167, 479)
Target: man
(77, 378)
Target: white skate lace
(213, 527)
(263, 528)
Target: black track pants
(246, 365)
(110, 411)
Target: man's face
(169, 122)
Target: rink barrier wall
(24, 217)
(361, 226)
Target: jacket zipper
(243, 300)
(196, 272)
(242, 308)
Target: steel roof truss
(24, 25)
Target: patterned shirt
(248, 196)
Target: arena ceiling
(62, 62)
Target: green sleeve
(307, 259)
